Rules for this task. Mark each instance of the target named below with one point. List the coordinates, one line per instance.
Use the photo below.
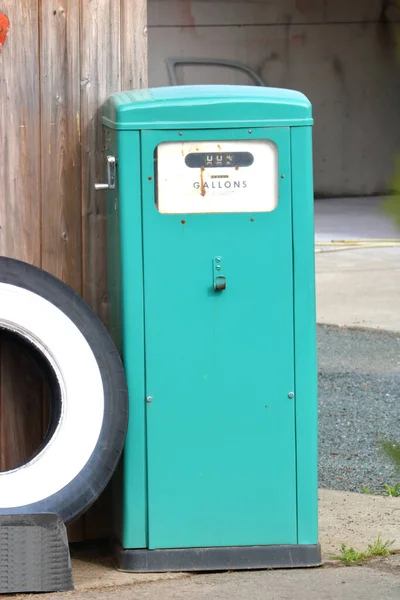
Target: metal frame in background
(172, 63)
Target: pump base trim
(216, 559)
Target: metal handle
(110, 185)
(219, 283)
(218, 274)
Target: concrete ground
(357, 287)
(356, 520)
(344, 517)
(373, 580)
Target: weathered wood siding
(59, 61)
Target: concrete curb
(356, 520)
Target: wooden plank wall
(60, 60)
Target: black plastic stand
(216, 559)
(34, 554)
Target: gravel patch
(359, 405)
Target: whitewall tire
(89, 396)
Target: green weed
(378, 548)
(392, 490)
(392, 450)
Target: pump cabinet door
(218, 296)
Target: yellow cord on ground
(343, 245)
(362, 241)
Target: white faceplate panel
(217, 177)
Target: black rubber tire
(76, 497)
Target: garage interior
(344, 56)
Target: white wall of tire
(48, 314)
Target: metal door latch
(218, 274)
(110, 185)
